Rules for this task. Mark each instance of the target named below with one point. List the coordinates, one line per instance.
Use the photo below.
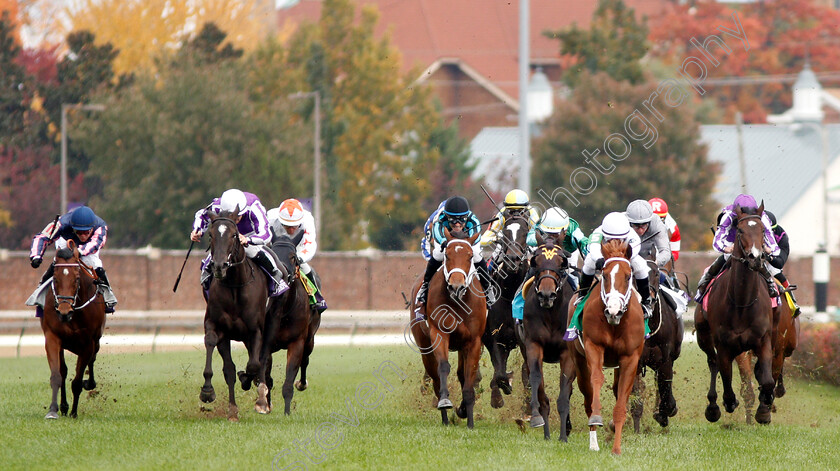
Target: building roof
(483, 34)
(782, 161)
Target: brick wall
(351, 280)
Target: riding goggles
(457, 219)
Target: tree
(673, 167)
(613, 43)
(14, 85)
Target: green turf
(146, 415)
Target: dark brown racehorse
(509, 270)
(545, 322)
(290, 324)
(662, 348)
(456, 318)
(739, 319)
(236, 304)
(613, 335)
(73, 320)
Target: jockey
(251, 222)
(89, 232)
(660, 208)
(652, 232)
(775, 264)
(426, 242)
(555, 225)
(288, 218)
(456, 216)
(725, 240)
(516, 203)
(617, 226)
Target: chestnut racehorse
(457, 315)
(613, 335)
(74, 319)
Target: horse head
(225, 249)
(749, 239)
(66, 280)
(551, 262)
(285, 247)
(615, 279)
(458, 268)
(513, 242)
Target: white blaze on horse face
(66, 272)
(613, 299)
(457, 248)
(222, 230)
(514, 229)
(754, 252)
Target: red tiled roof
(484, 34)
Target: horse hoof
(496, 400)
(779, 391)
(505, 386)
(64, 409)
(461, 411)
(89, 384)
(611, 425)
(730, 408)
(301, 386)
(207, 395)
(661, 419)
(262, 409)
(233, 414)
(74, 415)
(673, 411)
(596, 420)
(763, 415)
(444, 404)
(712, 413)
(537, 421)
(245, 380)
(51, 415)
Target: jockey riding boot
(643, 284)
(711, 272)
(771, 283)
(47, 274)
(422, 294)
(107, 293)
(264, 262)
(585, 283)
(320, 303)
(484, 278)
(786, 284)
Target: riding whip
(488, 195)
(175, 288)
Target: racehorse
(739, 318)
(236, 304)
(613, 335)
(73, 319)
(509, 270)
(290, 324)
(545, 322)
(662, 348)
(457, 318)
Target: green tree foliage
(14, 85)
(674, 167)
(613, 43)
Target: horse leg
(269, 380)
(566, 379)
(472, 356)
(461, 410)
(780, 384)
(535, 359)
(667, 403)
(90, 383)
(637, 406)
(252, 368)
(54, 357)
(76, 386)
(747, 394)
(496, 400)
(626, 372)
(304, 363)
(441, 354)
(778, 363)
(210, 340)
(583, 378)
(229, 372)
(595, 364)
(64, 407)
(724, 362)
(705, 342)
(262, 405)
(764, 377)
(293, 359)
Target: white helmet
(554, 220)
(639, 212)
(615, 226)
(290, 212)
(233, 199)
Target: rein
(72, 299)
(746, 263)
(468, 275)
(624, 299)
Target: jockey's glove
(35, 261)
(599, 264)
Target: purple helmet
(745, 201)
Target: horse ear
(539, 237)
(213, 216)
(628, 251)
(761, 208)
(447, 233)
(71, 244)
(298, 236)
(473, 238)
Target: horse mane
(459, 234)
(749, 210)
(64, 253)
(614, 248)
(228, 215)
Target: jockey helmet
(291, 212)
(82, 219)
(615, 226)
(745, 201)
(233, 199)
(456, 206)
(516, 199)
(659, 206)
(554, 220)
(639, 212)
(772, 218)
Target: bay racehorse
(456, 320)
(290, 324)
(545, 322)
(737, 317)
(662, 348)
(73, 320)
(613, 335)
(509, 270)
(236, 302)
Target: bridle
(623, 299)
(469, 275)
(560, 272)
(293, 274)
(71, 300)
(744, 260)
(231, 263)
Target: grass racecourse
(145, 414)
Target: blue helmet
(456, 206)
(82, 219)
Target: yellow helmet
(516, 199)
